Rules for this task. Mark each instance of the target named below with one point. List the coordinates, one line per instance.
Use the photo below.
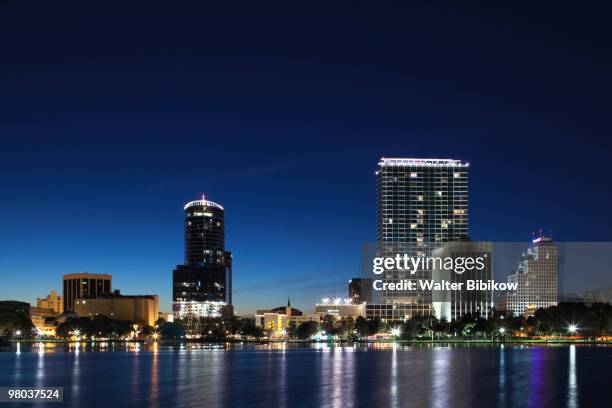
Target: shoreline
(340, 342)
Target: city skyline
(104, 139)
(307, 302)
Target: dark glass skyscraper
(203, 285)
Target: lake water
(319, 375)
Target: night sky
(113, 117)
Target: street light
(502, 330)
(572, 328)
(396, 331)
(18, 333)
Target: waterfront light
(396, 331)
(18, 333)
(572, 328)
(502, 330)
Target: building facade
(84, 285)
(360, 290)
(276, 321)
(140, 309)
(536, 279)
(203, 285)
(421, 204)
(598, 295)
(52, 302)
(454, 304)
(341, 310)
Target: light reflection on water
(289, 375)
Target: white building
(536, 276)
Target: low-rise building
(341, 309)
(598, 295)
(53, 302)
(136, 308)
(275, 321)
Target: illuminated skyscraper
(422, 203)
(203, 285)
(536, 276)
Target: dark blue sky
(113, 117)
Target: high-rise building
(360, 290)
(454, 304)
(422, 203)
(84, 285)
(536, 278)
(203, 285)
(52, 302)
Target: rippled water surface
(319, 375)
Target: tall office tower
(422, 203)
(454, 304)
(203, 285)
(84, 285)
(536, 276)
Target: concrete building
(421, 203)
(454, 304)
(536, 278)
(142, 309)
(84, 285)
(53, 302)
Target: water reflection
(501, 375)
(440, 376)
(287, 375)
(572, 383)
(393, 394)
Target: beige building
(142, 309)
(52, 302)
(276, 321)
(44, 319)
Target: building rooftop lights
(203, 203)
(385, 161)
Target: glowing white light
(396, 331)
(325, 300)
(502, 330)
(18, 333)
(572, 328)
